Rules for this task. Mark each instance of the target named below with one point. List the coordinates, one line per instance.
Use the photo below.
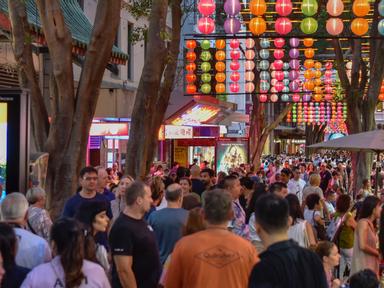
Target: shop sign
(206, 131)
(178, 132)
(109, 129)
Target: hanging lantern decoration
(334, 26)
(249, 74)
(283, 7)
(234, 86)
(335, 7)
(206, 25)
(283, 25)
(360, 8)
(263, 98)
(328, 82)
(380, 27)
(309, 25)
(257, 25)
(359, 26)
(309, 7)
(190, 76)
(232, 9)
(294, 113)
(205, 67)
(220, 75)
(289, 117)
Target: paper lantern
(274, 98)
(286, 67)
(308, 74)
(206, 7)
(328, 97)
(317, 74)
(264, 54)
(264, 75)
(264, 86)
(381, 97)
(220, 55)
(294, 53)
(205, 44)
(283, 25)
(249, 87)
(278, 53)
(235, 54)
(234, 87)
(249, 65)
(232, 7)
(295, 42)
(220, 77)
(309, 63)
(309, 52)
(190, 77)
(249, 54)
(263, 98)
(205, 56)
(257, 25)
(264, 43)
(359, 26)
(309, 25)
(360, 8)
(249, 76)
(264, 64)
(258, 7)
(317, 97)
(205, 66)
(206, 77)
(279, 42)
(309, 85)
(381, 8)
(318, 90)
(294, 86)
(190, 44)
(335, 7)
(283, 7)
(293, 75)
(380, 27)
(220, 88)
(220, 66)
(279, 75)
(296, 97)
(294, 64)
(308, 42)
(277, 64)
(232, 25)
(235, 76)
(334, 26)
(205, 88)
(190, 67)
(309, 7)
(206, 25)
(249, 43)
(234, 43)
(235, 65)
(220, 44)
(191, 89)
(190, 56)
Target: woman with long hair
(118, 204)
(365, 253)
(330, 257)
(69, 268)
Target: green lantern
(205, 88)
(309, 25)
(205, 44)
(205, 66)
(206, 77)
(309, 7)
(205, 56)
(221, 97)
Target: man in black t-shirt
(136, 260)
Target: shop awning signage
(109, 129)
(178, 132)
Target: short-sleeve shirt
(73, 204)
(133, 237)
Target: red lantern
(234, 87)
(191, 89)
(235, 65)
(234, 44)
(283, 7)
(191, 67)
(190, 44)
(263, 98)
(190, 77)
(190, 56)
(206, 7)
(283, 25)
(235, 54)
(235, 76)
(279, 42)
(278, 54)
(206, 25)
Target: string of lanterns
(220, 68)
(206, 24)
(190, 67)
(232, 9)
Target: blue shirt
(73, 204)
(168, 226)
(109, 195)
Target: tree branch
(356, 56)
(339, 59)
(278, 119)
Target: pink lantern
(328, 89)
(335, 7)
(249, 54)
(235, 54)
(249, 43)
(328, 81)
(296, 97)
(274, 81)
(235, 76)
(294, 86)
(279, 75)
(235, 65)
(249, 87)
(263, 98)
(273, 89)
(278, 54)
(206, 7)
(234, 87)
(249, 65)
(283, 7)
(293, 75)
(278, 64)
(328, 73)
(234, 44)
(274, 98)
(283, 25)
(334, 26)
(279, 86)
(206, 25)
(328, 65)
(249, 76)
(279, 42)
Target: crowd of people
(291, 223)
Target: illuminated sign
(178, 132)
(109, 129)
(196, 115)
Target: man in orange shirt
(214, 257)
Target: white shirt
(32, 250)
(296, 187)
(253, 236)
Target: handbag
(321, 233)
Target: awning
(76, 21)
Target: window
(129, 52)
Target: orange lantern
(317, 73)
(220, 44)
(309, 52)
(190, 67)
(220, 88)
(382, 89)
(220, 55)
(381, 97)
(308, 74)
(308, 42)
(317, 65)
(309, 85)
(360, 8)
(190, 44)
(359, 26)
(258, 7)
(220, 66)
(317, 97)
(257, 25)
(318, 90)
(191, 89)
(317, 82)
(220, 77)
(190, 77)
(309, 63)
(190, 56)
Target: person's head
(102, 177)
(343, 203)
(157, 189)
(88, 179)
(302, 167)
(366, 184)
(314, 179)
(115, 167)
(328, 254)
(272, 216)
(123, 185)
(174, 194)
(279, 188)
(247, 184)
(14, 208)
(335, 175)
(285, 175)
(217, 206)
(191, 201)
(313, 201)
(186, 185)
(331, 196)
(259, 190)
(138, 196)
(296, 173)
(8, 246)
(181, 172)
(195, 222)
(206, 176)
(323, 167)
(220, 178)
(36, 196)
(294, 208)
(364, 279)
(278, 177)
(195, 171)
(371, 208)
(68, 242)
(93, 214)
(232, 185)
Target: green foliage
(138, 34)
(138, 8)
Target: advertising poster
(230, 154)
(3, 147)
(180, 155)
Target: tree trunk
(313, 134)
